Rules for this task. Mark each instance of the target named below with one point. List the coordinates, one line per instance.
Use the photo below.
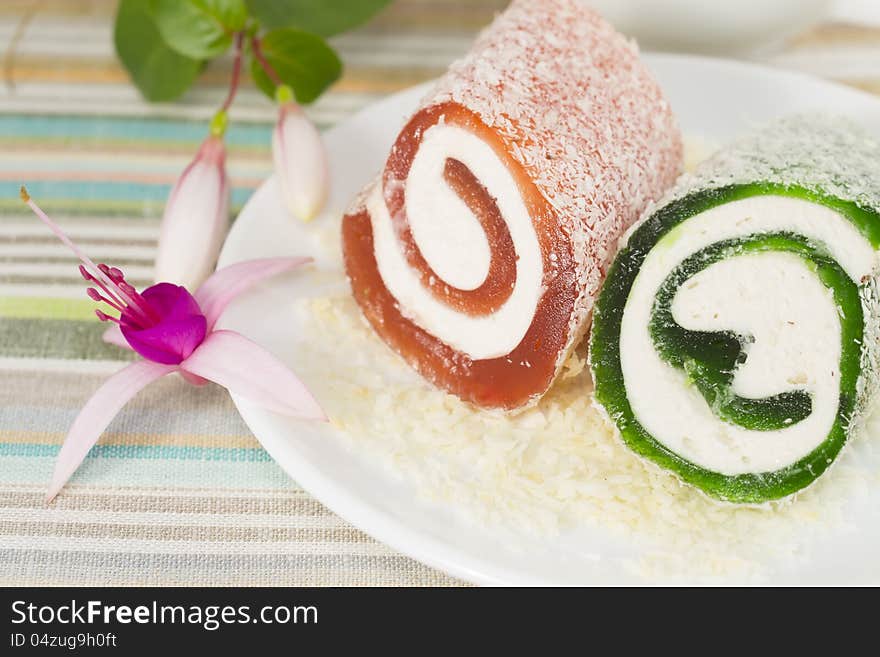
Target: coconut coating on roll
(735, 339)
(478, 252)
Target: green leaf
(201, 29)
(157, 71)
(303, 61)
(324, 17)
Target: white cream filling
(774, 297)
(449, 235)
(455, 246)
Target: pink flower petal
(97, 414)
(114, 336)
(227, 283)
(245, 368)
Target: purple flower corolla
(175, 331)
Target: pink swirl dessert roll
(479, 251)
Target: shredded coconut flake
(802, 150)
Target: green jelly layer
(710, 358)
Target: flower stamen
(109, 279)
(104, 317)
(137, 301)
(94, 295)
(92, 279)
(115, 274)
(135, 314)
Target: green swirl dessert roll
(735, 340)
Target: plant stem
(261, 58)
(236, 72)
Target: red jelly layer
(508, 381)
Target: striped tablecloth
(177, 490)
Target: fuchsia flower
(196, 216)
(300, 159)
(175, 331)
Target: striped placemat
(178, 491)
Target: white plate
(714, 99)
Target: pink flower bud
(300, 162)
(196, 219)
